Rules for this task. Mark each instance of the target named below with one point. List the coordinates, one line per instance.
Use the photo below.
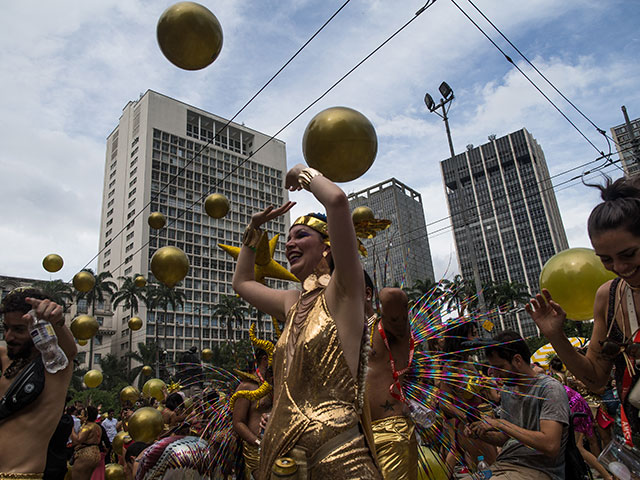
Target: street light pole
(447, 98)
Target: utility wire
(235, 168)
(197, 154)
(510, 60)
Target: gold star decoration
(265, 266)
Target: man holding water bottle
(31, 399)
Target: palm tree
(130, 295)
(57, 290)
(459, 294)
(232, 308)
(114, 372)
(146, 355)
(161, 296)
(506, 295)
(97, 294)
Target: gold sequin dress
(315, 399)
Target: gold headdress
(265, 388)
(320, 226)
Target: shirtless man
(25, 434)
(393, 430)
(247, 416)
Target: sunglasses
(611, 348)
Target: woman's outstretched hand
(291, 180)
(548, 315)
(269, 213)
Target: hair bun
(622, 188)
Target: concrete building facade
(628, 150)
(504, 214)
(400, 254)
(167, 156)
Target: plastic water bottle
(483, 470)
(421, 415)
(45, 340)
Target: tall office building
(504, 214)
(628, 146)
(166, 154)
(400, 254)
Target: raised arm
(394, 306)
(347, 279)
(268, 300)
(593, 369)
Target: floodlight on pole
(445, 103)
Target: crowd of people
(338, 395)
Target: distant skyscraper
(401, 253)
(504, 213)
(628, 152)
(157, 154)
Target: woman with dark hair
(614, 230)
(318, 414)
(556, 370)
(87, 451)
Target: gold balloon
(216, 205)
(169, 265)
(114, 471)
(341, 143)
(156, 220)
(207, 354)
(147, 370)
(189, 35)
(118, 442)
(135, 323)
(52, 262)
(362, 214)
(573, 277)
(154, 388)
(83, 281)
(82, 343)
(84, 327)
(430, 465)
(140, 281)
(93, 378)
(145, 425)
(129, 394)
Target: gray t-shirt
(546, 399)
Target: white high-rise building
(164, 156)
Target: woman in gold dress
(319, 414)
(87, 452)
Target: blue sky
(69, 67)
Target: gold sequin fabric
(20, 476)
(396, 447)
(251, 455)
(89, 455)
(314, 397)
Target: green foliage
(232, 355)
(233, 310)
(98, 396)
(59, 291)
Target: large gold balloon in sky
(145, 425)
(154, 387)
(83, 281)
(84, 327)
(135, 323)
(207, 354)
(216, 205)
(169, 265)
(52, 262)
(114, 471)
(93, 378)
(189, 35)
(362, 214)
(82, 343)
(156, 220)
(129, 394)
(573, 277)
(147, 370)
(341, 143)
(140, 281)
(118, 442)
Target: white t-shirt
(110, 427)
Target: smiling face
(619, 251)
(304, 249)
